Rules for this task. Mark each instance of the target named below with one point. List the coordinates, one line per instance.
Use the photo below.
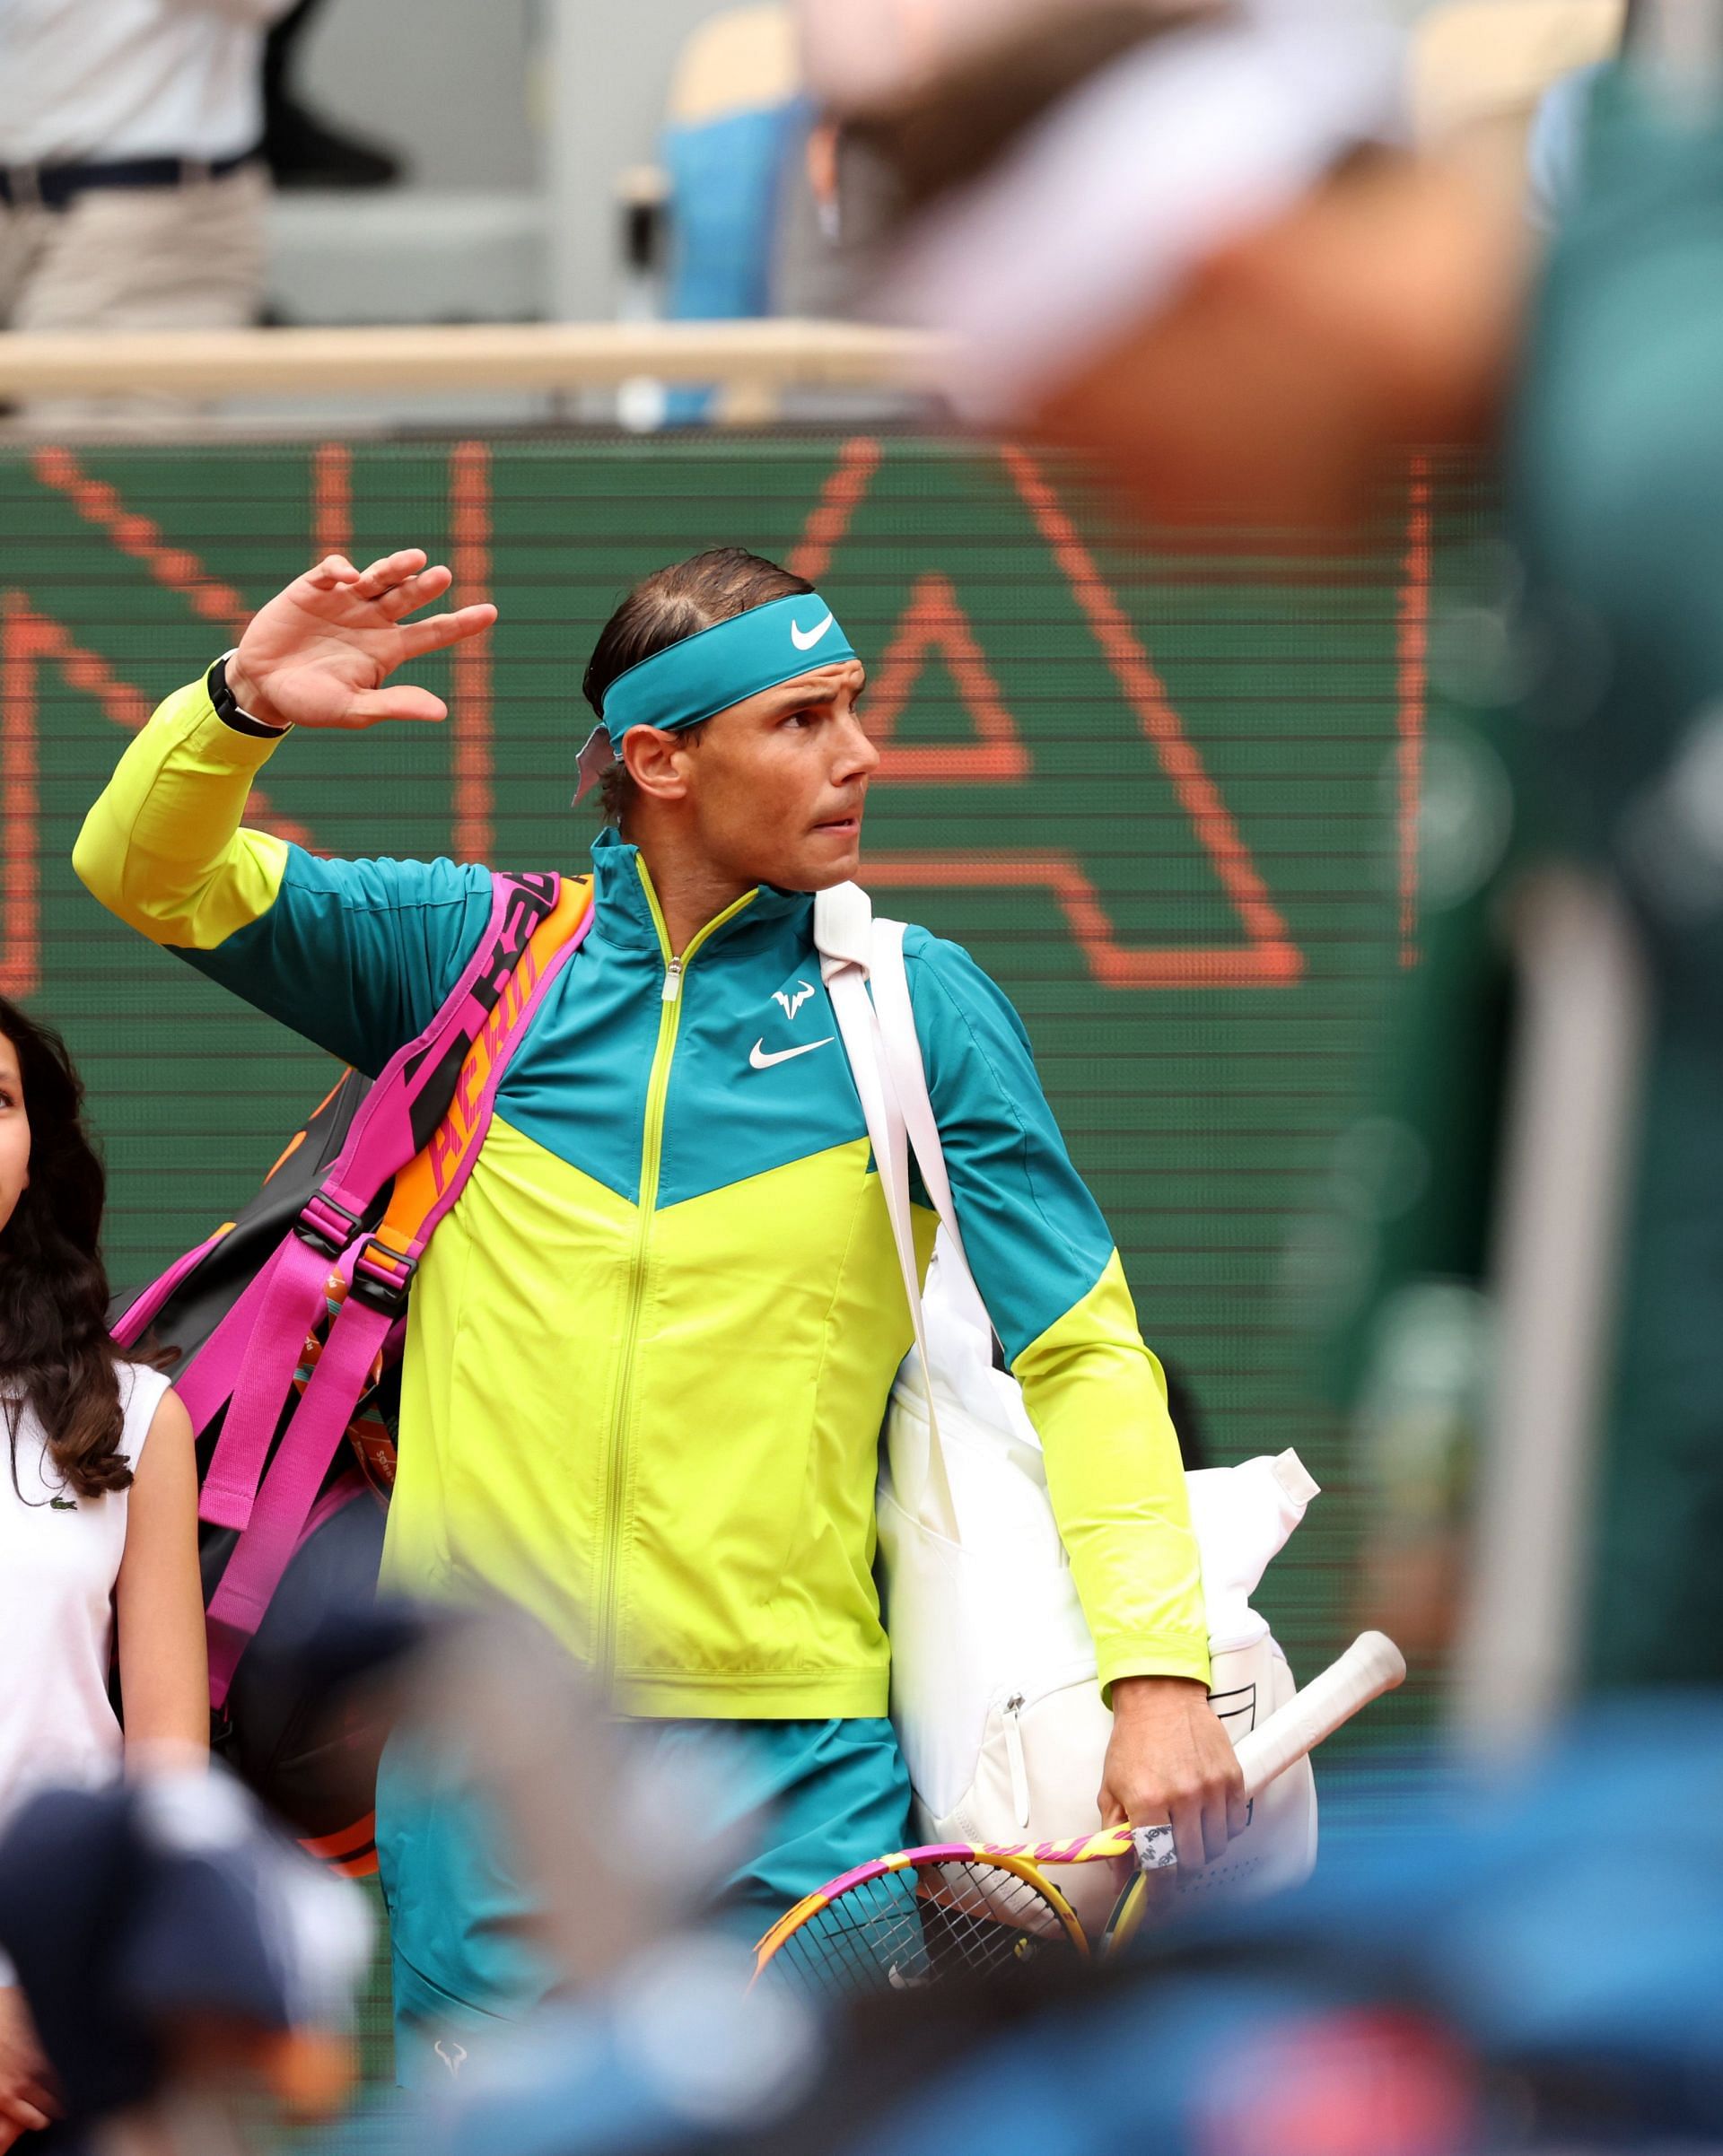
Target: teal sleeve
(356, 956)
(1055, 1291)
(1033, 1236)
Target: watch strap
(227, 709)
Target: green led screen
(1165, 793)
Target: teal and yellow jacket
(650, 1349)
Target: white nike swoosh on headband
(760, 1060)
(804, 640)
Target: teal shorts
(829, 1795)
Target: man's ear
(655, 762)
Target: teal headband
(707, 672)
(715, 668)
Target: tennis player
(651, 1347)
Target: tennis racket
(959, 1909)
(1370, 1667)
(924, 1915)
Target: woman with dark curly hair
(98, 1497)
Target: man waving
(650, 1349)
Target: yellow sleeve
(356, 956)
(1098, 1403)
(164, 849)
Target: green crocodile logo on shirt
(64, 1503)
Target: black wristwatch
(229, 712)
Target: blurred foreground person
(1276, 303)
(131, 196)
(1476, 1980)
(180, 1958)
(1588, 748)
(1556, 140)
(98, 1498)
(1204, 255)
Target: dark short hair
(664, 607)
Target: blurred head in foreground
(1193, 239)
(174, 1949)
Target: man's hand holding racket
(1169, 1759)
(923, 1915)
(319, 653)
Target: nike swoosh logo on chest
(760, 1060)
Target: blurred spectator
(1108, 209)
(1555, 148)
(869, 59)
(177, 1953)
(1263, 321)
(735, 114)
(733, 123)
(131, 195)
(300, 149)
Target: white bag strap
(908, 1073)
(843, 920)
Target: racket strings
(856, 1945)
(989, 1893)
(906, 1929)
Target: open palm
(320, 651)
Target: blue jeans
(830, 1795)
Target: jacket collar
(621, 884)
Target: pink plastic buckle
(326, 1225)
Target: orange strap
(423, 1181)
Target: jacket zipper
(1013, 1716)
(657, 1086)
(1011, 1712)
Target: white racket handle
(1370, 1667)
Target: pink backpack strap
(288, 1494)
(143, 1314)
(247, 1363)
(379, 1274)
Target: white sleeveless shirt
(59, 1557)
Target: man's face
(772, 789)
(14, 1132)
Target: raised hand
(320, 651)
